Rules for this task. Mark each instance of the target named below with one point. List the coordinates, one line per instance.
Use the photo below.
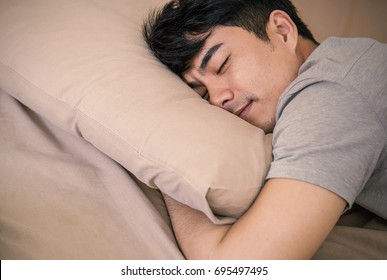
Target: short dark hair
(177, 32)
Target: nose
(220, 96)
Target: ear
(282, 26)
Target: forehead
(229, 34)
(219, 35)
(220, 38)
(232, 37)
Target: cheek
(274, 81)
(247, 79)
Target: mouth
(244, 111)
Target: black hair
(177, 32)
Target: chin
(267, 127)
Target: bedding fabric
(84, 66)
(60, 198)
(89, 119)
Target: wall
(345, 18)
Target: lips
(243, 112)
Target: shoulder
(331, 120)
(335, 57)
(328, 135)
(342, 70)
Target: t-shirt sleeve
(327, 135)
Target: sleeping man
(326, 105)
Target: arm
(289, 220)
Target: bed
(93, 127)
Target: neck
(305, 48)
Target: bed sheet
(60, 198)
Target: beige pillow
(83, 65)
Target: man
(326, 106)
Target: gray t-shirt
(332, 123)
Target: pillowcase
(84, 66)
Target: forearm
(196, 235)
(289, 220)
(199, 238)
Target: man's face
(242, 74)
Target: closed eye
(200, 89)
(205, 96)
(223, 65)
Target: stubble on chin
(268, 126)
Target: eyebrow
(207, 57)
